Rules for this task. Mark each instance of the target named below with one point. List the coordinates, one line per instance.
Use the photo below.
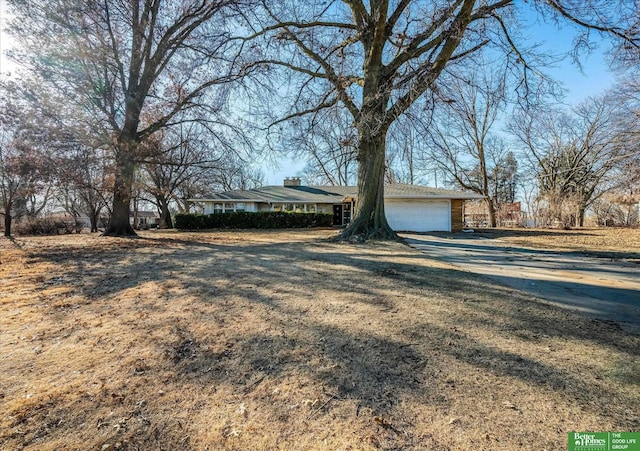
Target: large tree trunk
(7, 224)
(491, 206)
(580, 215)
(76, 223)
(119, 222)
(165, 215)
(370, 221)
(93, 218)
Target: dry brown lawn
(284, 340)
(600, 242)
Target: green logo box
(604, 441)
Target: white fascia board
(435, 196)
(302, 201)
(270, 202)
(226, 200)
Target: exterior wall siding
(457, 215)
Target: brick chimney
(292, 181)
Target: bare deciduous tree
(188, 155)
(573, 155)
(462, 138)
(377, 58)
(83, 178)
(133, 66)
(328, 140)
(24, 176)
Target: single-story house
(408, 207)
(144, 219)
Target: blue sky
(595, 76)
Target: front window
(217, 208)
(240, 206)
(228, 207)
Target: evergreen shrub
(247, 220)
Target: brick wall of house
(456, 215)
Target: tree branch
(591, 26)
(455, 33)
(360, 15)
(336, 80)
(315, 109)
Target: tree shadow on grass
(374, 374)
(216, 271)
(369, 368)
(372, 370)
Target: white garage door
(418, 216)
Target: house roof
(144, 214)
(331, 194)
(401, 191)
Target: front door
(337, 215)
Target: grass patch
(626, 372)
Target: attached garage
(417, 215)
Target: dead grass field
(284, 340)
(599, 242)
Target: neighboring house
(510, 214)
(408, 207)
(144, 219)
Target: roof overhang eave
(436, 196)
(208, 199)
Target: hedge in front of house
(259, 220)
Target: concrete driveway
(599, 288)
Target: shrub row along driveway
(604, 289)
